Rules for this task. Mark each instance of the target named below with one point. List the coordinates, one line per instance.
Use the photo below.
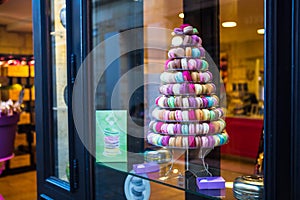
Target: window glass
(178, 92)
(59, 89)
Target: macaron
(188, 30)
(211, 88)
(195, 52)
(172, 115)
(155, 114)
(178, 127)
(212, 115)
(192, 142)
(185, 102)
(198, 141)
(171, 102)
(177, 41)
(166, 115)
(204, 141)
(178, 115)
(187, 40)
(199, 102)
(167, 63)
(222, 124)
(178, 102)
(137, 181)
(158, 127)
(184, 129)
(188, 52)
(183, 88)
(185, 142)
(195, 76)
(184, 63)
(172, 142)
(159, 140)
(199, 114)
(215, 99)
(178, 77)
(192, 64)
(160, 102)
(170, 129)
(206, 114)
(178, 141)
(192, 102)
(202, 52)
(192, 114)
(171, 53)
(196, 40)
(169, 89)
(164, 128)
(186, 76)
(205, 102)
(185, 115)
(165, 140)
(198, 89)
(152, 124)
(179, 52)
(176, 89)
(203, 65)
(205, 128)
(191, 88)
(211, 128)
(211, 141)
(197, 129)
(210, 102)
(175, 129)
(191, 129)
(217, 140)
(178, 31)
(177, 63)
(222, 139)
(195, 31)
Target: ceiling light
(181, 15)
(260, 31)
(229, 24)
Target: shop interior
(241, 69)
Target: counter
(244, 135)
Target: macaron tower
(187, 114)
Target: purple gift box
(212, 182)
(145, 168)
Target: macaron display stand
(187, 113)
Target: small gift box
(213, 182)
(145, 168)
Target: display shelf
(18, 71)
(175, 180)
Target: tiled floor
(23, 186)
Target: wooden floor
(19, 187)
(23, 186)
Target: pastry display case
(131, 100)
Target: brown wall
(15, 42)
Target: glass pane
(59, 88)
(168, 94)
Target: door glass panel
(59, 88)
